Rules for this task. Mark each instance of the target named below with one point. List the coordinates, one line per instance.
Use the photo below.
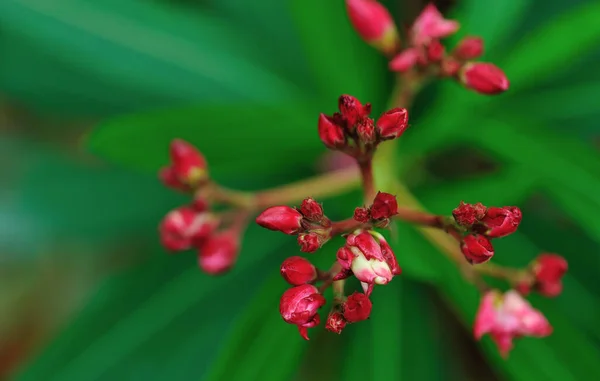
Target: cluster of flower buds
(424, 53)
(378, 214)
(506, 317)
(299, 304)
(195, 226)
(308, 222)
(366, 255)
(479, 224)
(353, 132)
(544, 275)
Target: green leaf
(386, 349)
(549, 49)
(132, 55)
(234, 138)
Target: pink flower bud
(297, 271)
(384, 206)
(311, 210)
(309, 242)
(189, 165)
(485, 78)
(374, 24)
(469, 48)
(281, 218)
(169, 178)
(391, 124)
(477, 249)
(364, 256)
(219, 252)
(357, 307)
(335, 322)
(548, 270)
(299, 305)
(506, 317)
(435, 51)
(330, 132)
(430, 24)
(404, 61)
(468, 214)
(352, 110)
(183, 227)
(362, 215)
(501, 222)
(365, 130)
(450, 67)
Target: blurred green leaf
(386, 347)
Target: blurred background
(91, 92)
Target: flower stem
(419, 217)
(366, 172)
(344, 226)
(333, 271)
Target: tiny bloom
(501, 222)
(469, 48)
(218, 253)
(330, 132)
(435, 51)
(363, 255)
(506, 317)
(169, 178)
(374, 24)
(430, 24)
(188, 163)
(357, 307)
(485, 78)
(391, 124)
(299, 306)
(362, 215)
(365, 130)
(477, 249)
(297, 271)
(352, 110)
(281, 218)
(200, 203)
(311, 210)
(184, 227)
(548, 270)
(468, 214)
(335, 322)
(404, 61)
(384, 206)
(309, 242)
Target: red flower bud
(469, 48)
(485, 78)
(366, 131)
(404, 61)
(299, 305)
(335, 322)
(311, 210)
(374, 24)
(183, 227)
(169, 178)
(309, 242)
(189, 165)
(357, 307)
(384, 206)
(362, 215)
(219, 252)
(467, 214)
(200, 204)
(501, 221)
(548, 270)
(430, 24)
(352, 110)
(281, 218)
(330, 132)
(477, 248)
(391, 124)
(450, 67)
(435, 51)
(297, 271)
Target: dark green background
(91, 92)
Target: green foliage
(205, 73)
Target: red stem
(419, 217)
(344, 226)
(366, 172)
